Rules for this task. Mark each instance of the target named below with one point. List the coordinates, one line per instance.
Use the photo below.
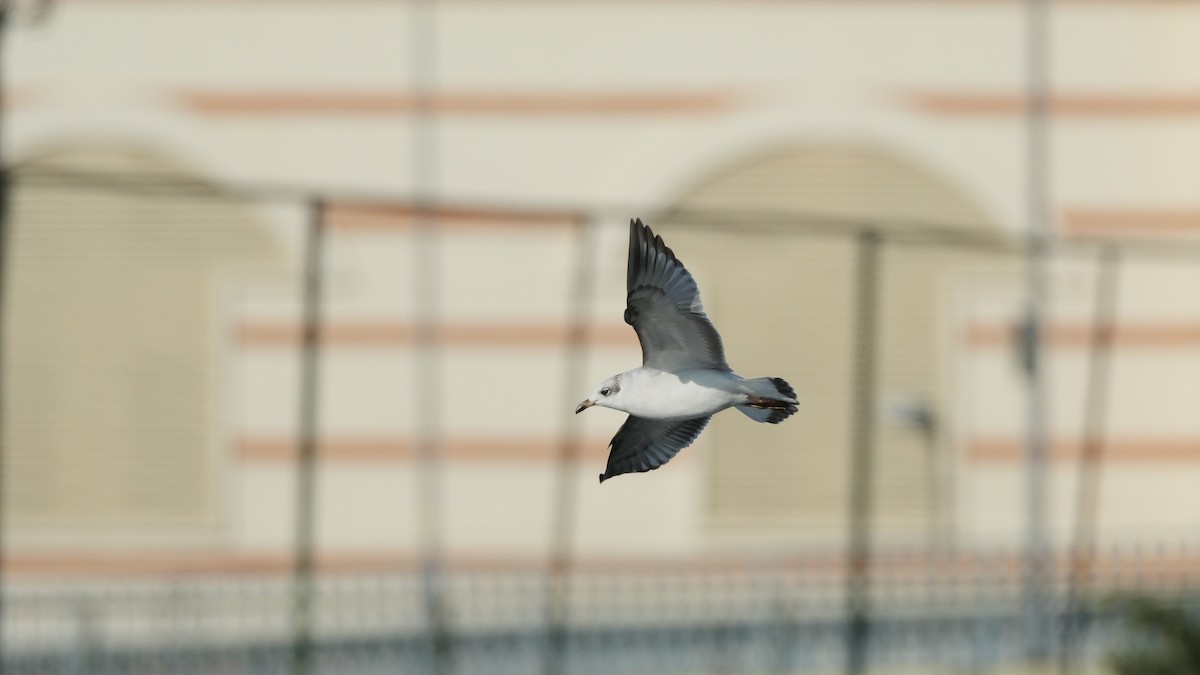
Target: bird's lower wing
(644, 444)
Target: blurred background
(298, 298)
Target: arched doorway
(111, 325)
(784, 300)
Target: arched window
(111, 333)
(785, 305)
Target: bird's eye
(604, 391)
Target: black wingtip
(783, 387)
(603, 478)
(781, 414)
(640, 238)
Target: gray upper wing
(664, 307)
(644, 444)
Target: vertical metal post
(862, 469)
(5, 260)
(427, 447)
(562, 544)
(306, 441)
(1036, 556)
(428, 372)
(1104, 314)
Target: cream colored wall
(1153, 396)
(786, 72)
(830, 69)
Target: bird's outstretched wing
(664, 307)
(644, 444)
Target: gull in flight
(683, 380)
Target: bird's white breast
(652, 393)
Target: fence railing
(944, 613)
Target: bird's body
(659, 395)
(684, 379)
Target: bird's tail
(768, 399)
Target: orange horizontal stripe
(968, 104)
(1093, 221)
(393, 334)
(1110, 569)
(16, 97)
(200, 563)
(187, 563)
(343, 333)
(1012, 450)
(393, 449)
(363, 218)
(211, 102)
(1165, 335)
(275, 449)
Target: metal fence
(959, 613)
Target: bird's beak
(584, 406)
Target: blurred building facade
(152, 337)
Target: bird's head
(608, 394)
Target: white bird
(683, 380)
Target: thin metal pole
(938, 534)
(1090, 462)
(41, 11)
(566, 499)
(307, 432)
(428, 447)
(1037, 560)
(428, 370)
(5, 260)
(862, 470)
